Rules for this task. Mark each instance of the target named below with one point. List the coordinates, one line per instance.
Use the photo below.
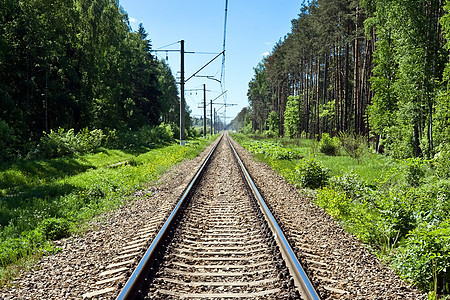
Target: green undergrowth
(49, 199)
(399, 208)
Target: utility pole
(182, 104)
(215, 121)
(204, 110)
(211, 119)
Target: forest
(371, 67)
(77, 64)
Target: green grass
(44, 199)
(373, 167)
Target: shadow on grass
(26, 173)
(144, 149)
(37, 197)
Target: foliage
(401, 214)
(292, 117)
(259, 97)
(328, 145)
(424, 258)
(55, 228)
(61, 143)
(147, 136)
(271, 149)
(391, 82)
(414, 171)
(77, 65)
(242, 119)
(337, 204)
(352, 185)
(310, 173)
(273, 124)
(354, 144)
(442, 161)
(7, 141)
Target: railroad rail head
(302, 282)
(131, 287)
(148, 264)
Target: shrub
(88, 141)
(273, 125)
(353, 186)
(336, 203)
(310, 173)
(433, 199)
(7, 140)
(442, 161)
(328, 145)
(424, 258)
(354, 145)
(271, 149)
(61, 143)
(292, 117)
(356, 216)
(396, 212)
(55, 228)
(147, 135)
(414, 172)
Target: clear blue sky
(253, 28)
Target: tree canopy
(77, 64)
(372, 67)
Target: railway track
(219, 242)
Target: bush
(354, 145)
(336, 203)
(147, 135)
(356, 216)
(55, 228)
(415, 171)
(424, 259)
(88, 141)
(442, 161)
(433, 199)
(7, 140)
(61, 143)
(353, 186)
(328, 145)
(271, 149)
(311, 174)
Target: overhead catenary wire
(222, 72)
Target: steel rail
(302, 282)
(134, 281)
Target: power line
(169, 45)
(222, 72)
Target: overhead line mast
(222, 73)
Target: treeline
(76, 64)
(372, 67)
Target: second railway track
(219, 244)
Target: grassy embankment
(399, 208)
(48, 199)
